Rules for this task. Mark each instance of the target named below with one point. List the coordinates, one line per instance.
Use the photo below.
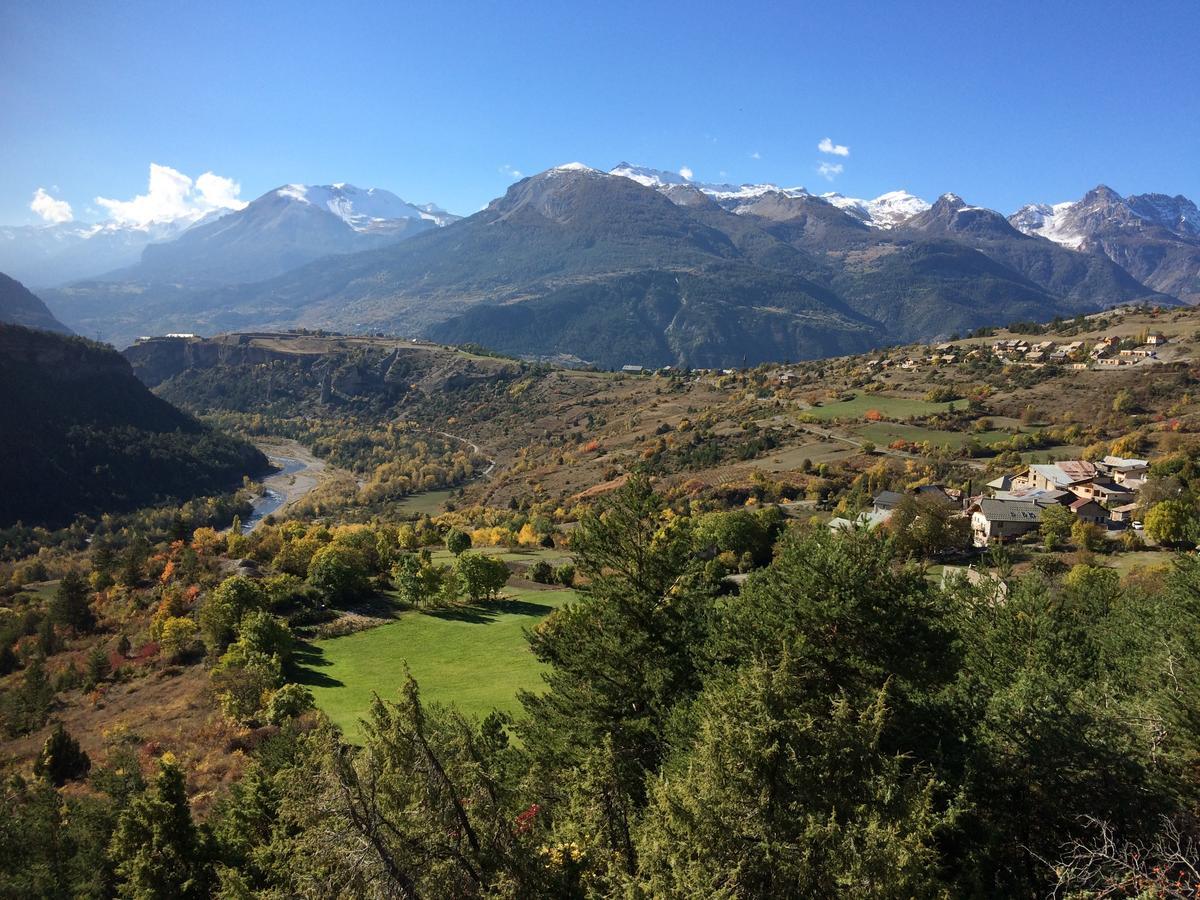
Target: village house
(999, 521)
(1090, 512)
(864, 520)
(1122, 469)
(1056, 476)
(1123, 515)
(1156, 339)
(887, 501)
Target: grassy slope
(475, 657)
(895, 407)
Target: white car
(1137, 526)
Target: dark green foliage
(777, 797)
(622, 656)
(157, 850)
(339, 572)
(541, 572)
(98, 668)
(26, 707)
(482, 576)
(457, 541)
(61, 759)
(79, 434)
(421, 809)
(71, 604)
(54, 846)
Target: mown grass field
(475, 657)
(424, 503)
(892, 407)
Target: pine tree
(61, 759)
(70, 605)
(157, 850)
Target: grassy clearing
(424, 503)
(892, 407)
(1140, 559)
(531, 555)
(475, 657)
(1050, 454)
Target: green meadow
(475, 657)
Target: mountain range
(641, 265)
(281, 230)
(1154, 237)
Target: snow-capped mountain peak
(885, 211)
(662, 180)
(361, 209)
(1048, 220)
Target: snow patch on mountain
(363, 210)
(885, 211)
(1051, 221)
(660, 180)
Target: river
(298, 474)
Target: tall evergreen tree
(157, 850)
(71, 606)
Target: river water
(272, 498)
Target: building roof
(1044, 496)
(1121, 462)
(1066, 472)
(868, 520)
(1010, 510)
(1082, 502)
(888, 500)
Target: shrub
(565, 575)
(61, 759)
(541, 572)
(288, 702)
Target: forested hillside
(79, 434)
(18, 306)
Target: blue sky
(1003, 103)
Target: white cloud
(171, 196)
(756, 155)
(54, 211)
(219, 192)
(686, 173)
(828, 146)
(510, 171)
(830, 171)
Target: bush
(288, 702)
(61, 759)
(565, 575)
(541, 572)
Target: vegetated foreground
(796, 661)
(475, 658)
